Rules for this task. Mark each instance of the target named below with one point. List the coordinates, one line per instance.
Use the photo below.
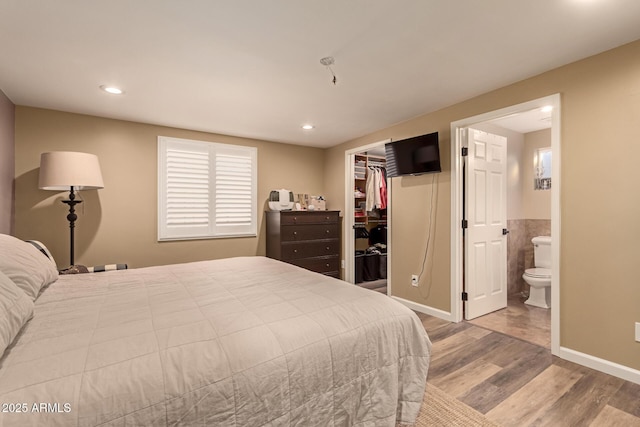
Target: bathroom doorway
(530, 121)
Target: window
(206, 190)
(542, 169)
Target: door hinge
(465, 151)
(465, 296)
(465, 224)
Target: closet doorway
(367, 218)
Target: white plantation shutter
(234, 190)
(205, 190)
(187, 188)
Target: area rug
(440, 409)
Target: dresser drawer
(297, 250)
(296, 233)
(324, 265)
(308, 239)
(320, 217)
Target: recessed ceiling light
(307, 127)
(112, 90)
(546, 109)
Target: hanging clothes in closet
(383, 188)
(376, 189)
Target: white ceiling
(252, 68)
(525, 122)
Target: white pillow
(15, 310)
(25, 265)
(43, 249)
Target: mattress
(244, 341)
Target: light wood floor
(519, 383)
(520, 320)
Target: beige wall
(536, 203)
(7, 124)
(515, 145)
(599, 199)
(118, 223)
(410, 207)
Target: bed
(247, 341)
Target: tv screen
(413, 156)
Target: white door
(485, 238)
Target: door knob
(505, 231)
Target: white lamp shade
(60, 170)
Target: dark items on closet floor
(371, 264)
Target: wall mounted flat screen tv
(413, 156)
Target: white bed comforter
(236, 342)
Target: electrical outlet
(414, 280)
(638, 331)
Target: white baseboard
(444, 315)
(601, 365)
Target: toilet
(539, 278)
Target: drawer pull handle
(327, 265)
(327, 218)
(295, 233)
(328, 231)
(295, 251)
(327, 247)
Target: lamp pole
(72, 217)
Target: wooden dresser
(309, 239)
